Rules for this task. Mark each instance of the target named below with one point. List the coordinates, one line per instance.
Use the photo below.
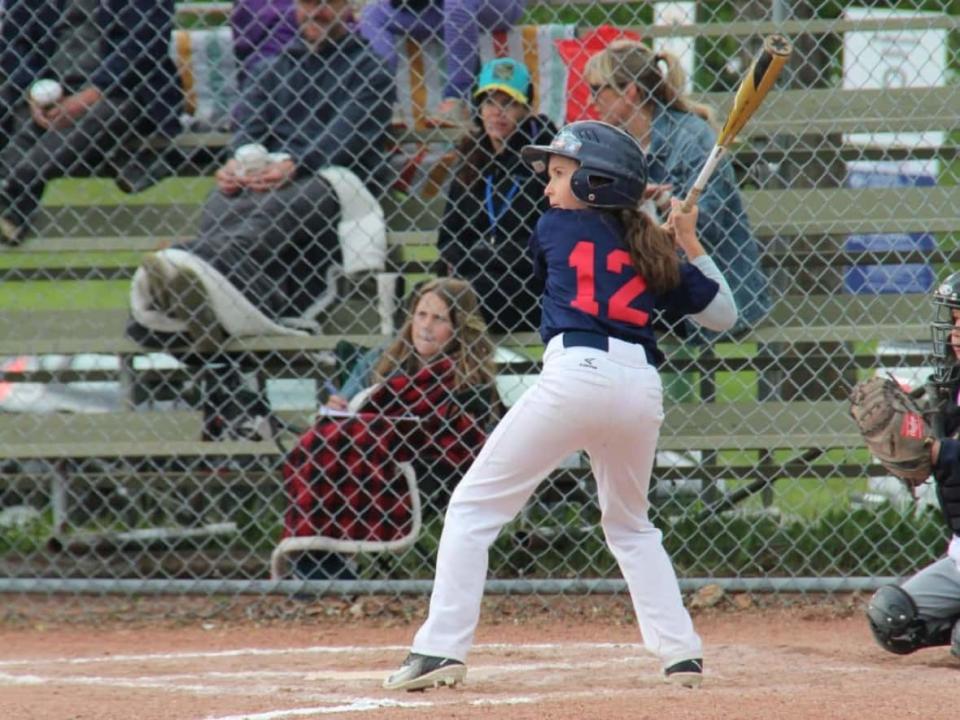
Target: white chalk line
(209, 683)
(314, 650)
(136, 683)
(371, 704)
(357, 705)
(178, 681)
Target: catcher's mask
(946, 299)
(613, 168)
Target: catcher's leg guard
(897, 626)
(955, 640)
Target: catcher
(913, 443)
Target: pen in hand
(334, 400)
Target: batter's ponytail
(652, 250)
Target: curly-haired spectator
(427, 399)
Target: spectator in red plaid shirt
(430, 397)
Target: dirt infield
(327, 660)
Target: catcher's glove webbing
(894, 428)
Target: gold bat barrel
(755, 86)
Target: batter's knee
(896, 624)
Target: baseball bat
(761, 75)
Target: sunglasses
(501, 103)
(595, 90)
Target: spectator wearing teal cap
(494, 199)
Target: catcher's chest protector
(948, 493)
(948, 470)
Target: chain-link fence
(238, 353)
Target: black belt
(584, 338)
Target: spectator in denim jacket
(643, 92)
(111, 58)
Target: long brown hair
(629, 62)
(470, 348)
(475, 155)
(652, 250)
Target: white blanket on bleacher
(363, 242)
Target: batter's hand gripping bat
(753, 89)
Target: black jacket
(134, 54)
(947, 470)
(328, 106)
(495, 261)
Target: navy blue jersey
(590, 283)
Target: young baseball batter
(606, 268)
(925, 610)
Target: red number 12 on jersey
(583, 260)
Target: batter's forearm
(721, 314)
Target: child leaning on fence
(430, 397)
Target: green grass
(86, 192)
(27, 260)
(65, 294)
(96, 294)
(805, 498)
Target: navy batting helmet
(613, 168)
(946, 299)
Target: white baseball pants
(609, 404)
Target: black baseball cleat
(686, 673)
(418, 672)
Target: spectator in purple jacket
(384, 22)
(260, 28)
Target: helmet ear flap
(600, 189)
(593, 188)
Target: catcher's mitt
(893, 427)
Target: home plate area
(780, 667)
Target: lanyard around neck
(494, 214)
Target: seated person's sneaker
(419, 672)
(10, 233)
(158, 273)
(686, 673)
(236, 413)
(189, 302)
